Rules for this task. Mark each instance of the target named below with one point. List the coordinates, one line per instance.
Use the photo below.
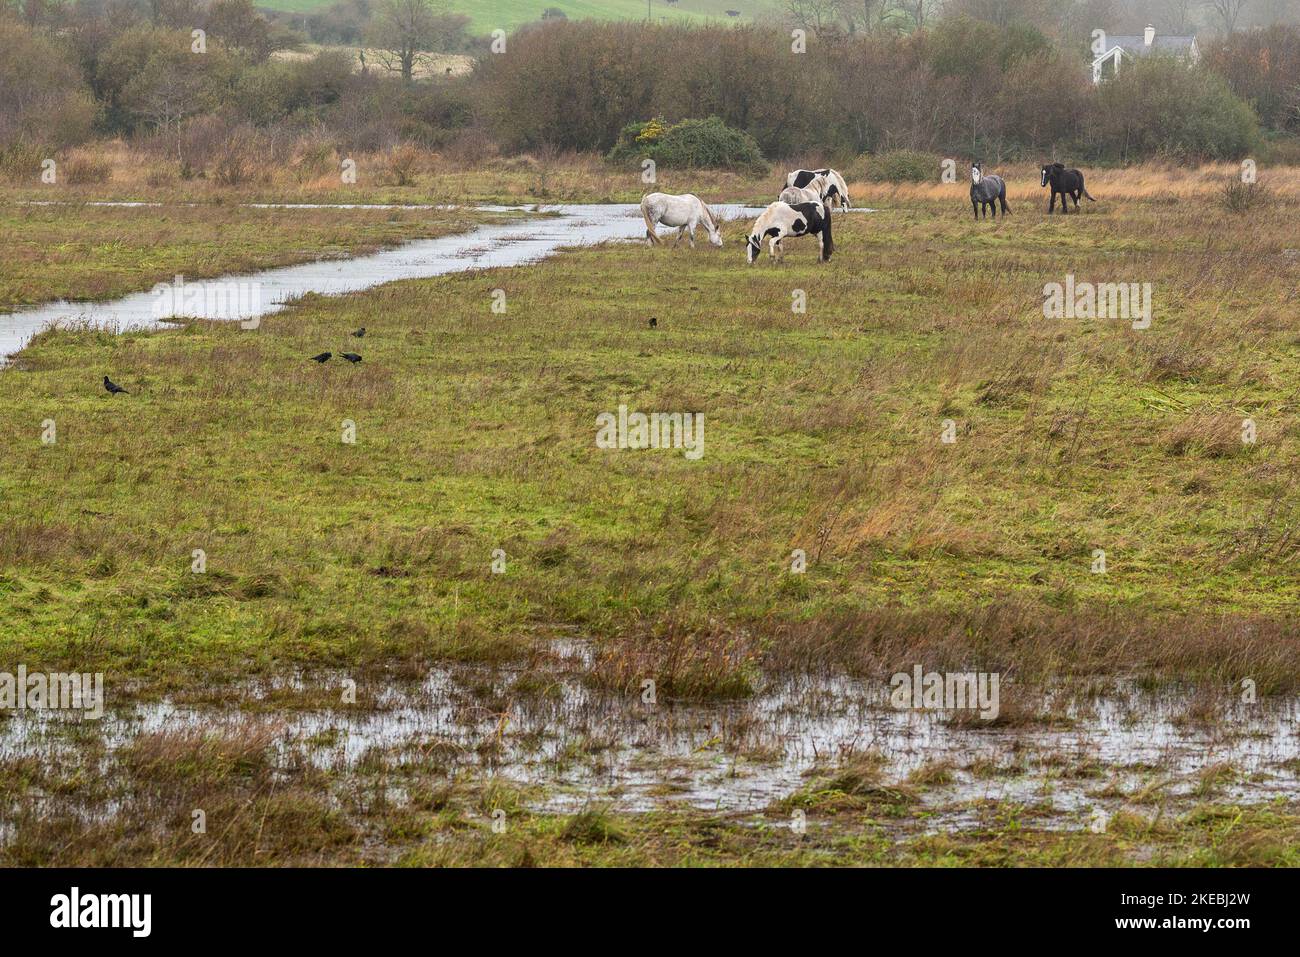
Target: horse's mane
(708, 213)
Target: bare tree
(403, 33)
(813, 15)
(1227, 12)
(1177, 16)
(921, 11)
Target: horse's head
(1046, 169)
(975, 173)
(711, 224)
(1052, 170)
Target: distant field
(488, 15)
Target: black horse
(1065, 182)
(986, 191)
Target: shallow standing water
(1115, 747)
(487, 246)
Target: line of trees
(960, 86)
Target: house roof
(1136, 45)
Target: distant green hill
(489, 15)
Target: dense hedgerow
(955, 88)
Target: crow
(360, 332)
(113, 388)
(323, 357)
(351, 356)
(654, 323)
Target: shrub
(237, 159)
(85, 169)
(159, 177)
(1238, 197)
(401, 164)
(21, 161)
(1261, 66)
(904, 166)
(314, 159)
(690, 144)
(43, 98)
(1161, 106)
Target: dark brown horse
(1065, 182)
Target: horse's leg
(690, 233)
(1051, 203)
(681, 231)
(974, 206)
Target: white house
(1119, 49)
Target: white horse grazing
(684, 213)
(814, 192)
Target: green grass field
(488, 15)
(475, 431)
(823, 433)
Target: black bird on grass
(360, 332)
(113, 388)
(654, 322)
(323, 357)
(351, 357)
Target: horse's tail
(1002, 195)
(1084, 189)
(649, 225)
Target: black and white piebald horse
(817, 191)
(1066, 183)
(684, 212)
(986, 191)
(837, 193)
(780, 220)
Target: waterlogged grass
(260, 812)
(475, 431)
(84, 252)
(1207, 837)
